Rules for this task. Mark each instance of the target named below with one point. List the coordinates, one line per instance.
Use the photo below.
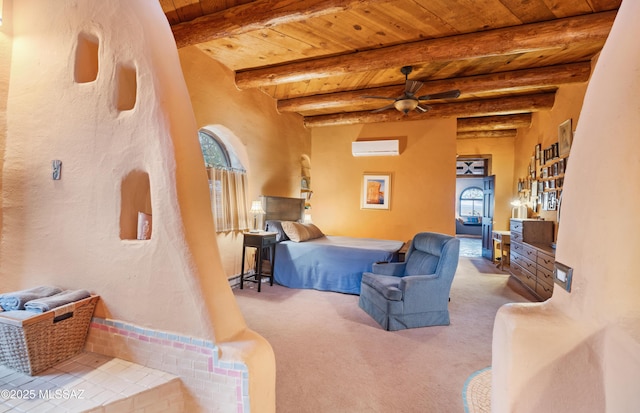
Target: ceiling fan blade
(451, 94)
(377, 97)
(390, 106)
(412, 86)
(423, 109)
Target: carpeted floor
(332, 357)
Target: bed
(322, 262)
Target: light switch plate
(562, 275)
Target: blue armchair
(413, 293)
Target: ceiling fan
(409, 101)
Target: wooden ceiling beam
(507, 133)
(257, 15)
(496, 82)
(498, 106)
(494, 123)
(554, 34)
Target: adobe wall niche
(127, 86)
(135, 196)
(87, 64)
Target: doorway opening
(474, 205)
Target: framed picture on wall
(376, 191)
(565, 138)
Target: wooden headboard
(283, 209)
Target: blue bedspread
(330, 263)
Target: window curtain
(229, 199)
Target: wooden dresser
(531, 255)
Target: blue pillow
(276, 226)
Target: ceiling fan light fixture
(406, 105)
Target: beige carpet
(332, 357)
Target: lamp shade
(256, 208)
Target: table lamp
(519, 209)
(256, 209)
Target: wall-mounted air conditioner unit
(375, 148)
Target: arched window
(227, 183)
(471, 202)
(215, 155)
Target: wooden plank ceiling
(319, 58)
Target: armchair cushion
(387, 285)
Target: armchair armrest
(423, 292)
(390, 268)
(416, 281)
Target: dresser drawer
(517, 247)
(516, 236)
(543, 290)
(269, 240)
(546, 261)
(545, 275)
(515, 226)
(523, 275)
(529, 252)
(524, 262)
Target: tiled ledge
(210, 384)
(91, 383)
(154, 336)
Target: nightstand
(259, 241)
(402, 252)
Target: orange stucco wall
(269, 144)
(544, 130)
(423, 179)
(510, 157)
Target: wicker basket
(37, 343)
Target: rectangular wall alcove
(87, 63)
(135, 196)
(127, 87)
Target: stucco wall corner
(257, 355)
(564, 350)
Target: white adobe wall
(580, 351)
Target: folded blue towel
(44, 304)
(18, 315)
(17, 299)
